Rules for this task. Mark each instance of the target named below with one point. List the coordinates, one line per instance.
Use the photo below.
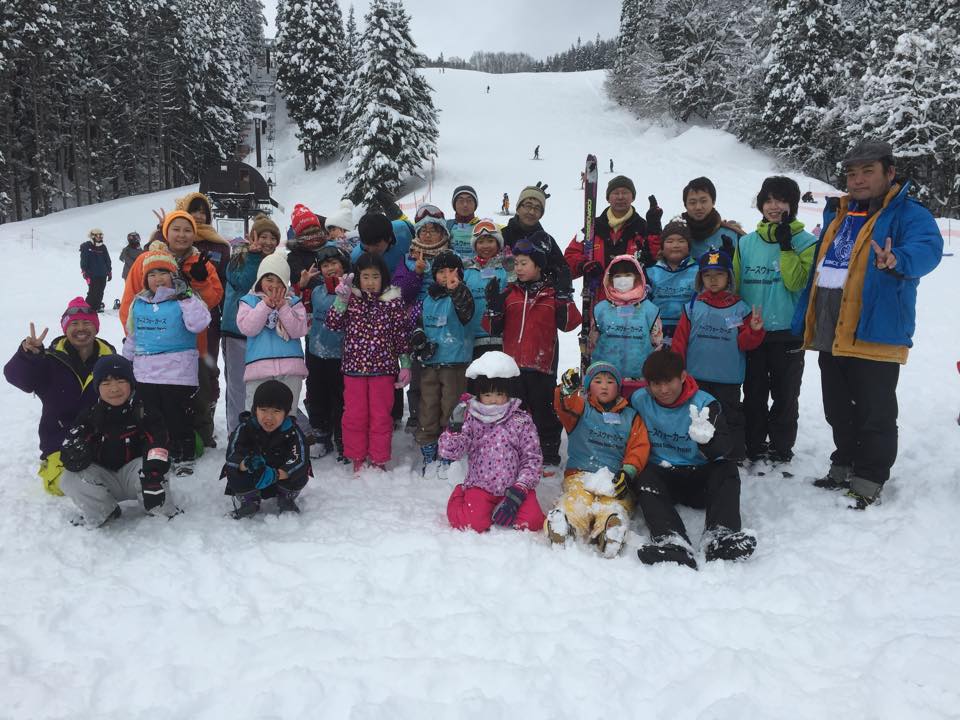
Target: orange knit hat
(171, 216)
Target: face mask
(623, 284)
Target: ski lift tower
(238, 192)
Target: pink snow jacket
(252, 320)
(376, 332)
(501, 453)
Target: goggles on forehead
(79, 310)
(133, 236)
(485, 227)
(428, 211)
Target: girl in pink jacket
(503, 449)
(273, 320)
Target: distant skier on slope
(536, 153)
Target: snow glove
(506, 512)
(344, 288)
(784, 234)
(422, 348)
(621, 482)
(262, 474)
(569, 382)
(495, 300)
(152, 489)
(403, 378)
(701, 431)
(654, 227)
(198, 270)
(459, 414)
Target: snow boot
(558, 529)
(182, 468)
(669, 548)
(287, 500)
(413, 422)
(116, 303)
(246, 504)
(723, 544)
(443, 469)
(321, 445)
(837, 478)
(610, 541)
(429, 453)
(357, 466)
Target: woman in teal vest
(772, 265)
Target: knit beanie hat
(464, 190)
(77, 309)
(173, 215)
(262, 223)
(333, 252)
(113, 366)
(374, 227)
(273, 264)
(601, 367)
(621, 181)
(420, 245)
(527, 246)
(487, 228)
(302, 219)
(155, 259)
(532, 192)
(273, 394)
(447, 259)
(676, 227)
(342, 217)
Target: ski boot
(668, 548)
(246, 504)
(429, 453)
(723, 544)
(837, 478)
(321, 445)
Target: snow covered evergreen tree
(392, 129)
(352, 51)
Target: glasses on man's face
(530, 206)
(429, 229)
(79, 310)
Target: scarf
(630, 297)
(429, 251)
(490, 414)
(702, 229)
(616, 222)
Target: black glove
(570, 382)
(158, 467)
(653, 217)
(783, 234)
(727, 244)
(198, 271)
(621, 483)
(79, 452)
(561, 313)
(389, 205)
(422, 348)
(592, 270)
(542, 187)
(457, 417)
(506, 512)
(151, 487)
(493, 297)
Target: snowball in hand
(701, 431)
(493, 364)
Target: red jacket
(531, 316)
(747, 339)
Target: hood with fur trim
(629, 297)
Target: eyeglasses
(527, 205)
(430, 228)
(79, 310)
(428, 211)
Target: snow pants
(587, 512)
(472, 509)
(175, 403)
(96, 491)
(325, 397)
(860, 404)
(774, 370)
(95, 292)
(440, 391)
(367, 424)
(234, 363)
(714, 486)
(535, 390)
(294, 382)
(729, 396)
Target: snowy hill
(369, 606)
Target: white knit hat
(342, 217)
(274, 264)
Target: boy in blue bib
(688, 447)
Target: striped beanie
(601, 367)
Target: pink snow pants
(472, 508)
(367, 423)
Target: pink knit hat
(78, 309)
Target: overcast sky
(537, 27)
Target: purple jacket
(500, 454)
(376, 332)
(62, 382)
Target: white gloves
(701, 431)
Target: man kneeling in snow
(116, 450)
(689, 442)
(607, 447)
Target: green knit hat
(621, 181)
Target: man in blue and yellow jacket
(858, 312)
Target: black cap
(374, 227)
(868, 151)
(333, 252)
(447, 260)
(273, 394)
(112, 366)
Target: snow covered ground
(369, 606)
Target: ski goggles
(79, 310)
(133, 236)
(484, 228)
(428, 211)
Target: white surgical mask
(623, 284)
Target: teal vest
(668, 428)
(624, 340)
(158, 328)
(672, 289)
(461, 238)
(712, 350)
(760, 279)
(267, 344)
(476, 280)
(600, 439)
(442, 326)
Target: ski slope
(369, 606)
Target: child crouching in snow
(502, 449)
(688, 448)
(605, 435)
(116, 450)
(268, 455)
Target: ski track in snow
(369, 606)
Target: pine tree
(352, 52)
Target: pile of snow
(599, 482)
(494, 364)
(368, 605)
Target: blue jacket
(267, 344)
(888, 312)
(240, 278)
(395, 254)
(322, 341)
(95, 260)
(670, 289)
(477, 278)
(444, 326)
